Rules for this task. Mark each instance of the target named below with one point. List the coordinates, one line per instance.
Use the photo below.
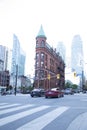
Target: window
(42, 56)
(37, 64)
(42, 64)
(36, 74)
(37, 44)
(37, 56)
(41, 73)
(42, 43)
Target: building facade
(3, 57)
(4, 78)
(49, 65)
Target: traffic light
(74, 74)
(48, 76)
(58, 76)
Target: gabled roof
(41, 32)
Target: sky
(61, 20)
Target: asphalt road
(21, 112)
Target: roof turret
(41, 33)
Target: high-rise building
(77, 54)
(18, 57)
(62, 50)
(9, 60)
(22, 62)
(3, 58)
(4, 63)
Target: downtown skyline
(61, 20)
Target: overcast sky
(61, 20)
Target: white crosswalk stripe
(11, 118)
(42, 121)
(12, 105)
(15, 109)
(38, 122)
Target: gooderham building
(49, 65)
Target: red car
(54, 92)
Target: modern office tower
(17, 57)
(77, 54)
(49, 65)
(3, 58)
(4, 72)
(62, 50)
(9, 60)
(1, 65)
(22, 62)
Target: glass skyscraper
(18, 57)
(77, 54)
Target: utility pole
(82, 79)
(16, 79)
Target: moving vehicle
(54, 92)
(37, 92)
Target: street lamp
(16, 79)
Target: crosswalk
(10, 113)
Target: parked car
(54, 92)
(9, 92)
(3, 93)
(83, 91)
(68, 91)
(37, 92)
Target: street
(22, 112)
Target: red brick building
(49, 66)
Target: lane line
(15, 109)
(20, 115)
(44, 120)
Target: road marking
(20, 115)
(12, 105)
(15, 109)
(84, 100)
(79, 123)
(44, 120)
(3, 104)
